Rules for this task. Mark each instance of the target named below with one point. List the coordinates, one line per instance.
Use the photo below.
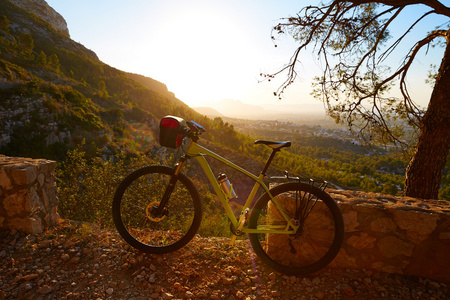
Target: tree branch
(353, 31)
(395, 44)
(438, 6)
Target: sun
(201, 53)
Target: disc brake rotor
(149, 211)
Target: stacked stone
(400, 235)
(384, 233)
(28, 200)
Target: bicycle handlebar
(194, 129)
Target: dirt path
(77, 261)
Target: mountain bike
(295, 227)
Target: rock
(391, 246)
(434, 285)
(30, 277)
(26, 286)
(75, 260)
(27, 196)
(319, 295)
(167, 296)
(227, 280)
(202, 294)
(110, 291)
(215, 296)
(177, 285)
(44, 244)
(361, 241)
(418, 226)
(384, 225)
(41, 9)
(65, 257)
(44, 290)
(275, 293)
(131, 260)
(125, 266)
(348, 290)
(350, 220)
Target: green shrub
(4, 23)
(215, 223)
(86, 186)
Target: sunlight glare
(201, 52)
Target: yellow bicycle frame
(198, 152)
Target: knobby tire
(133, 201)
(316, 243)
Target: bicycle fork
(162, 207)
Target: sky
(204, 50)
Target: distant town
(289, 129)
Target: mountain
(208, 111)
(237, 109)
(152, 84)
(55, 93)
(41, 9)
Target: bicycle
(296, 228)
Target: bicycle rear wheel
(317, 240)
(135, 200)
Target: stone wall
(28, 199)
(394, 234)
(382, 233)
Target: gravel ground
(79, 261)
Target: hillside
(55, 93)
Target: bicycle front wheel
(135, 200)
(318, 238)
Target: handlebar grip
(194, 126)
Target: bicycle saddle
(274, 145)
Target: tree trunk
(424, 172)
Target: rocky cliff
(41, 9)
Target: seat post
(269, 161)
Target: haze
(204, 50)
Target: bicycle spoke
(314, 243)
(134, 214)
